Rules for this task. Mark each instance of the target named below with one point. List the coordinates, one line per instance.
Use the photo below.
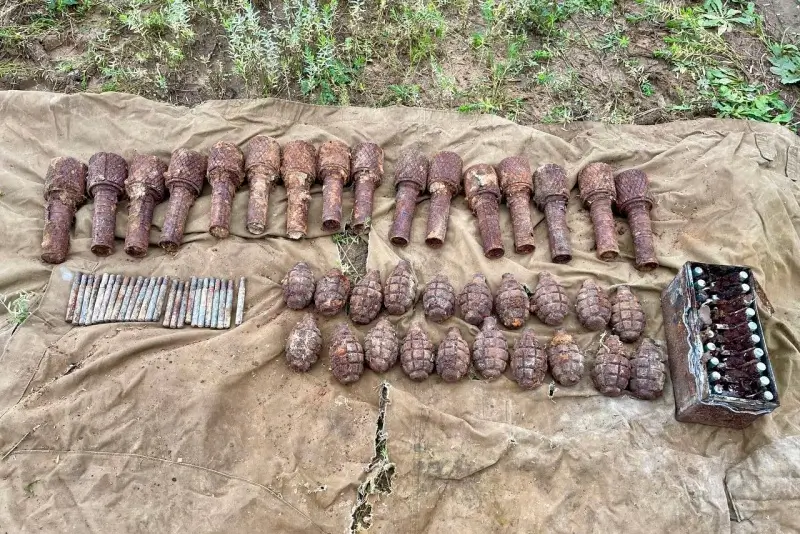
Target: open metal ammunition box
(695, 399)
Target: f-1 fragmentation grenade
(627, 317)
(366, 298)
(439, 299)
(611, 370)
(647, 372)
(528, 361)
(381, 346)
(416, 354)
(452, 356)
(331, 294)
(400, 289)
(347, 356)
(565, 359)
(304, 344)
(490, 350)
(475, 300)
(549, 301)
(298, 286)
(593, 306)
(511, 303)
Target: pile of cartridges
(109, 298)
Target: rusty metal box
(695, 400)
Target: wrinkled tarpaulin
(159, 430)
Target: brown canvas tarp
(194, 430)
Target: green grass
(19, 307)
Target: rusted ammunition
(173, 291)
(593, 306)
(184, 305)
(331, 293)
(98, 301)
(490, 350)
(240, 303)
(381, 346)
(439, 299)
(123, 290)
(184, 179)
(225, 174)
(145, 188)
(190, 302)
(549, 300)
(228, 304)
(303, 344)
(106, 184)
(212, 285)
(367, 169)
(64, 187)
(452, 356)
(565, 359)
(298, 171)
(416, 354)
(215, 303)
(141, 315)
(517, 186)
(596, 182)
(176, 307)
(611, 370)
(511, 303)
(627, 317)
(347, 355)
(73, 296)
(126, 298)
(410, 178)
(647, 372)
(200, 311)
(298, 286)
(475, 300)
(75, 317)
(483, 196)
(92, 284)
(444, 182)
(223, 289)
(112, 300)
(157, 300)
(366, 298)
(551, 195)
(400, 289)
(333, 170)
(528, 361)
(129, 306)
(262, 166)
(634, 200)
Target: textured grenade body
(611, 371)
(304, 344)
(366, 298)
(439, 299)
(416, 354)
(549, 301)
(490, 350)
(298, 286)
(565, 359)
(452, 357)
(627, 317)
(475, 300)
(511, 303)
(593, 306)
(400, 289)
(331, 293)
(647, 372)
(528, 361)
(347, 356)
(381, 346)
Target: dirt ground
(625, 61)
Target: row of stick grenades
(512, 304)
(613, 373)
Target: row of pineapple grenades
(485, 185)
(548, 301)
(612, 374)
(147, 178)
